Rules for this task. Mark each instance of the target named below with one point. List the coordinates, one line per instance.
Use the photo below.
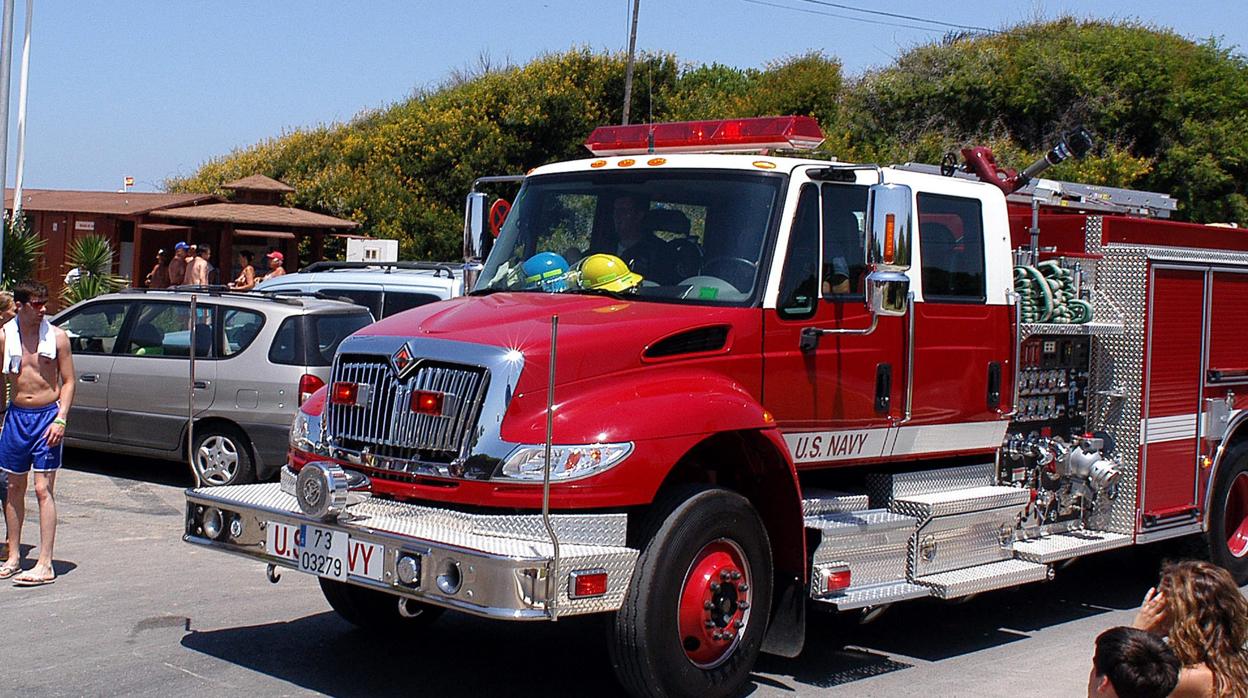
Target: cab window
(951, 242)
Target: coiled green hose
(1046, 293)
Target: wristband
(59, 422)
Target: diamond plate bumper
(504, 560)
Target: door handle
(89, 378)
(201, 385)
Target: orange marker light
(655, 162)
(598, 163)
(890, 240)
(764, 165)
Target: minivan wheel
(222, 456)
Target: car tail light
(707, 136)
(583, 583)
(308, 384)
(344, 393)
(427, 402)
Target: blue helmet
(545, 270)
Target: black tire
(375, 610)
(222, 456)
(1228, 497)
(648, 652)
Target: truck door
(1172, 397)
(1226, 371)
(833, 400)
(963, 330)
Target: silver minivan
(257, 357)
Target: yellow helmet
(607, 272)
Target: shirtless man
(40, 371)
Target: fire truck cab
(701, 390)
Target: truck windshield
(678, 235)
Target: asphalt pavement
(136, 611)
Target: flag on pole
(129, 181)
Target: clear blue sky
(153, 88)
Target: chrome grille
(385, 423)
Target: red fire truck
(701, 388)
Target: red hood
(597, 335)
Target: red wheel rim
(714, 603)
(1236, 518)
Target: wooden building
(139, 224)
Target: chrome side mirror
(888, 293)
(477, 237)
(889, 235)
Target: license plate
(325, 552)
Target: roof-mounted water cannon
(719, 136)
(980, 160)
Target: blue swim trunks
(22, 444)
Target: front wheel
(1227, 538)
(693, 621)
(376, 610)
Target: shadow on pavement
(151, 470)
(457, 655)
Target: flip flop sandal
(6, 571)
(33, 581)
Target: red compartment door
(1172, 393)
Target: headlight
(305, 432)
(566, 462)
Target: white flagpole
(6, 67)
(21, 114)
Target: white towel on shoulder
(13, 344)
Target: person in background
(212, 275)
(40, 371)
(1131, 663)
(247, 277)
(275, 260)
(177, 265)
(1200, 610)
(158, 277)
(196, 267)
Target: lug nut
(708, 605)
(729, 637)
(717, 636)
(724, 575)
(714, 587)
(736, 575)
(744, 605)
(710, 624)
(743, 587)
(739, 623)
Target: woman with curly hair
(1200, 610)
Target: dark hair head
(204, 249)
(247, 255)
(1138, 664)
(25, 290)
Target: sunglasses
(37, 305)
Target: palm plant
(92, 255)
(22, 249)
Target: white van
(385, 288)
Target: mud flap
(786, 633)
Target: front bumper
(503, 560)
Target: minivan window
(311, 340)
(94, 328)
(163, 329)
(368, 299)
(241, 327)
(398, 301)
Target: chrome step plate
(994, 575)
(817, 501)
(877, 595)
(885, 487)
(1063, 546)
(953, 502)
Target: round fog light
(407, 568)
(213, 523)
(450, 580)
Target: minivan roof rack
(437, 267)
(215, 290)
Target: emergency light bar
(725, 135)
